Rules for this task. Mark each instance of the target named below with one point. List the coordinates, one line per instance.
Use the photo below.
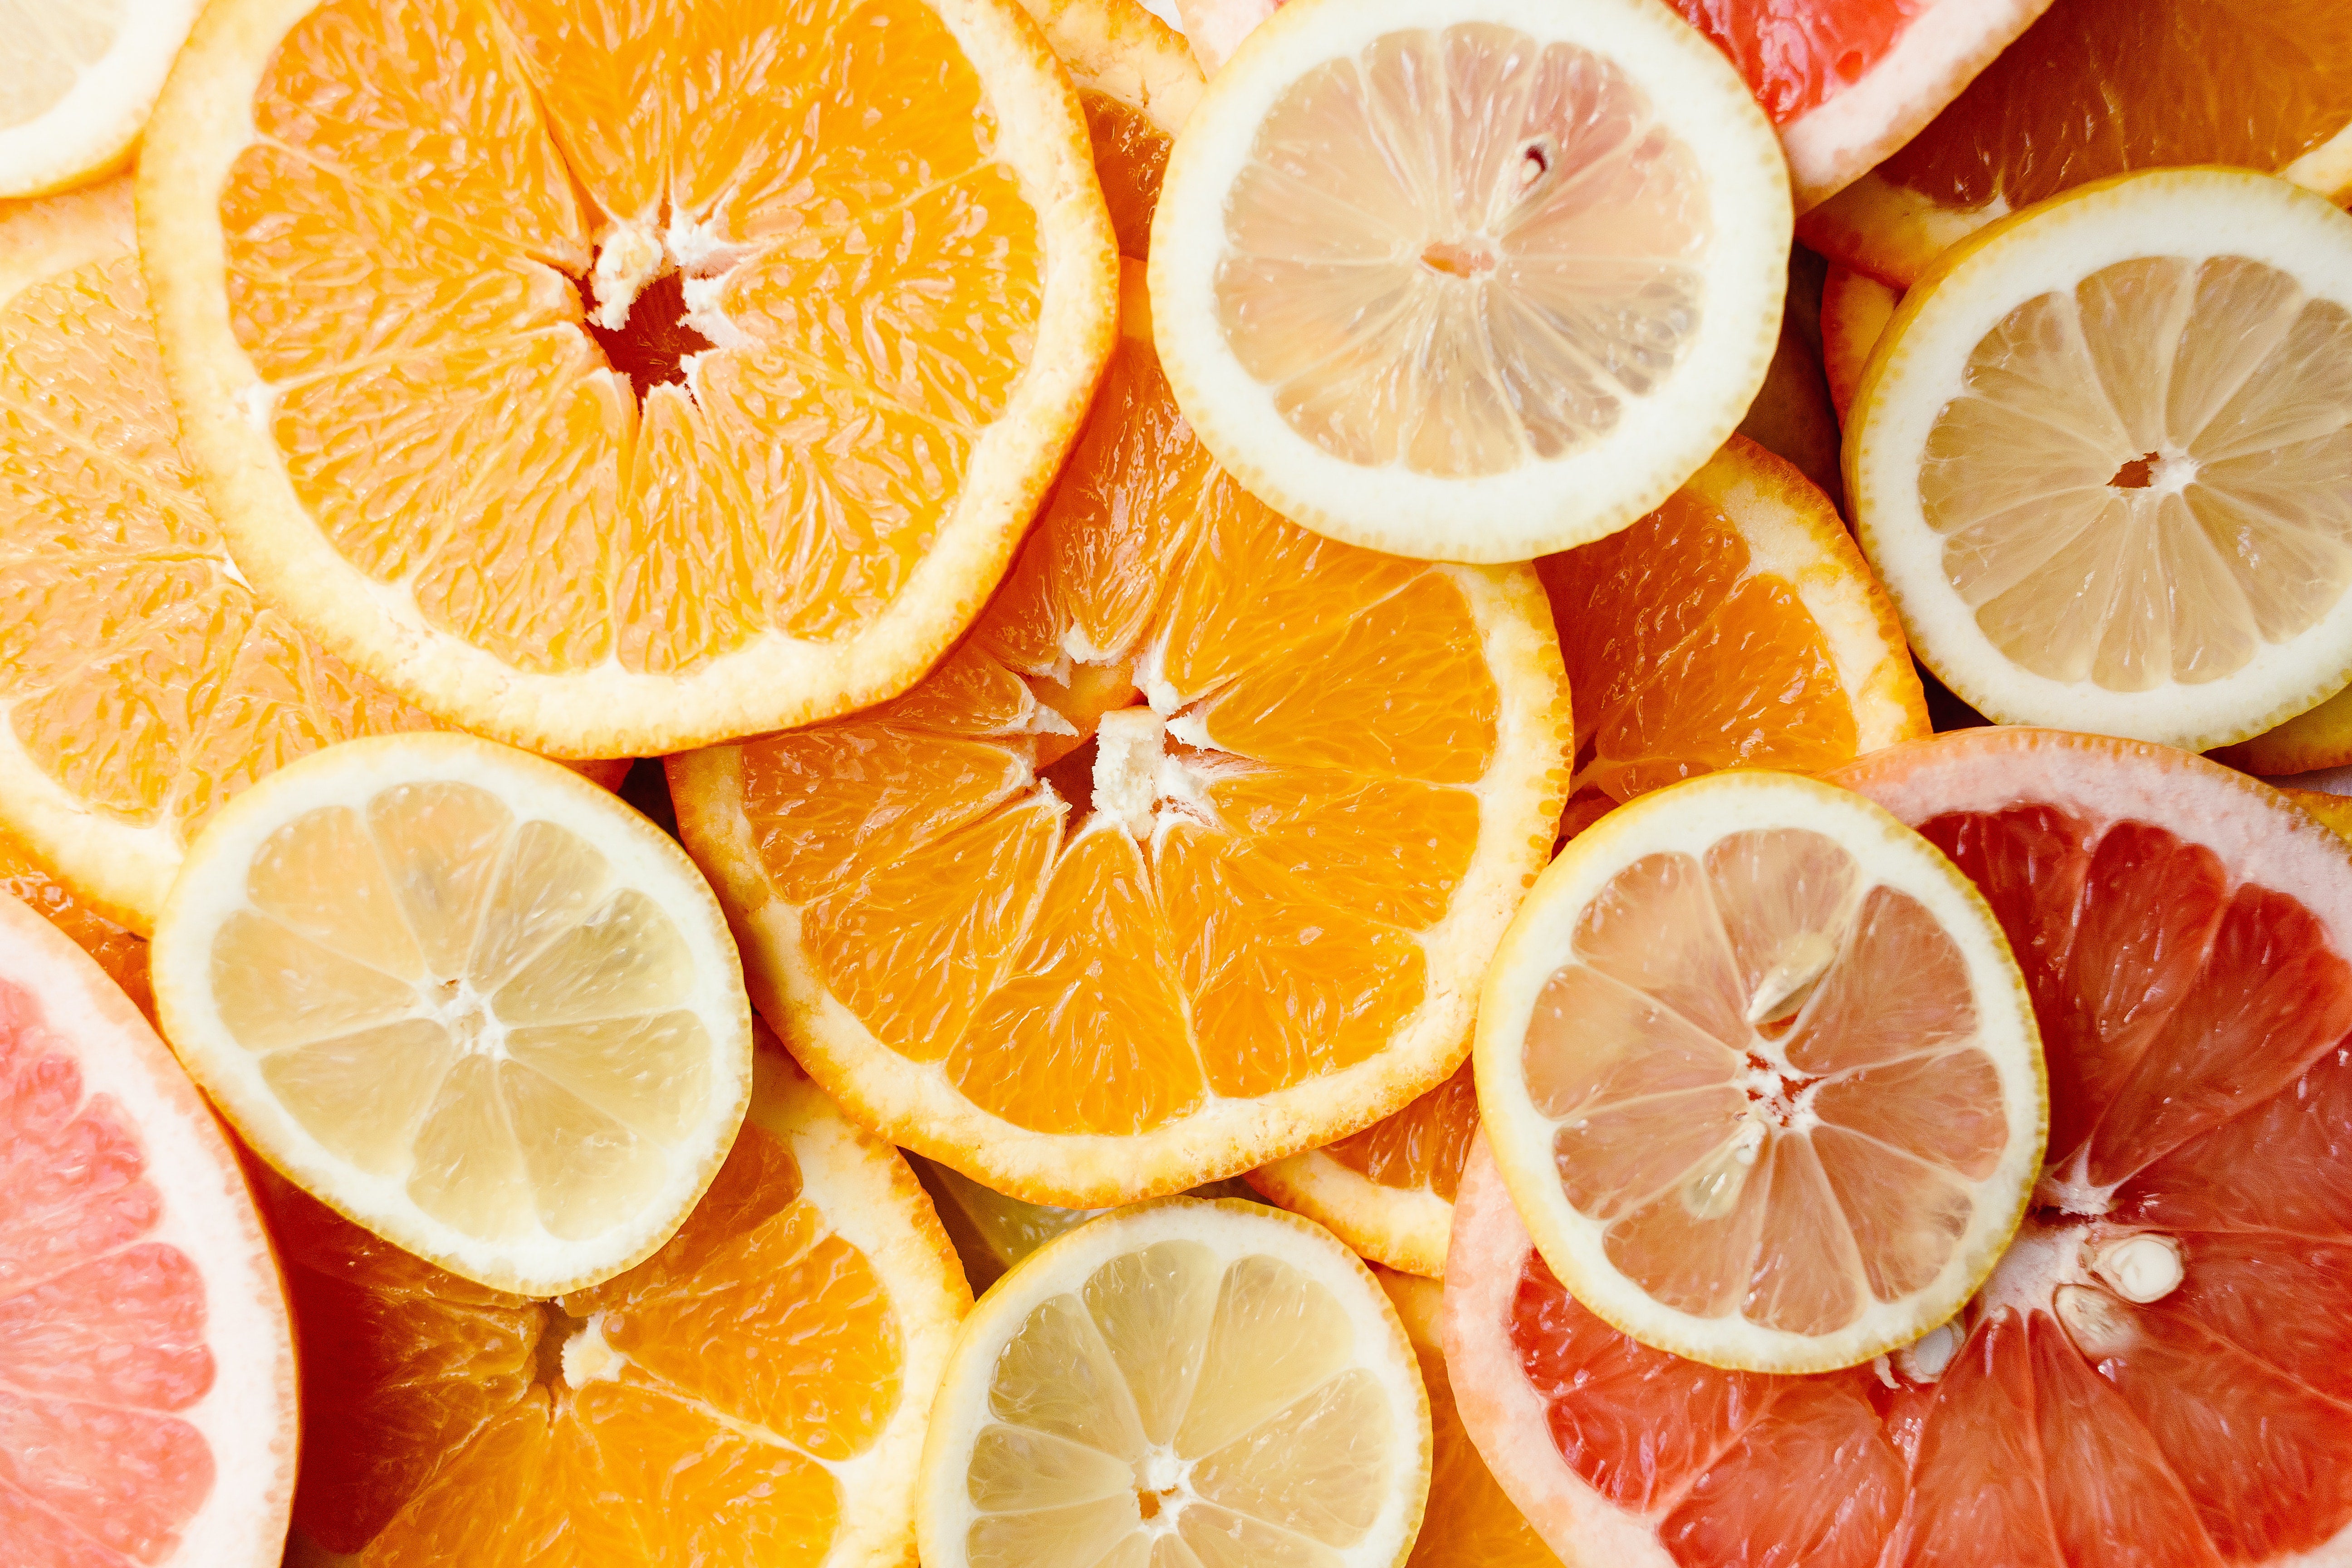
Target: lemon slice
(1180, 1382)
(1760, 1071)
(1470, 279)
(77, 84)
(2099, 457)
(467, 999)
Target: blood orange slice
(146, 1368)
(2159, 1371)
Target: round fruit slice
(79, 77)
(1469, 1523)
(122, 954)
(717, 400)
(465, 998)
(1136, 84)
(2098, 460)
(2103, 87)
(1855, 309)
(1180, 1382)
(1736, 626)
(2314, 739)
(1388, 1191)
(753, 1391)
(2334, 810)
(2156, 1372)
(147, 1393)
(1761, 1074)
(1470, 279)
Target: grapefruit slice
(2098, 459)
(2098, 88)
(1469, 279)
(2156, 1372)
(754, 1392)
(77, 84)
(465, 998)
(147, 1394)
(1179, 1382)
(1760, 1072)
(715, 400)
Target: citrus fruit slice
(1470, 1523)
(1136, 84)
(122, 954)
(2104, 86)
(717, 400)
(2097, 459)
(1760, 1071)
(1179, 1382)
(1469, 279)
(79, 77)
(1855, 309)
(1792, 416)
(1388, 1191)
(147, 1395)
(2156, 1374)
(1735, 625)
(465, 998)
(2334, 810)
(2317, 738)
(143, 683)
(753, 1391)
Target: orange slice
(1388, 1191)
(1855, 309)
(141, 683)
(1761, 1074)
(2334, 811)
(2098, 88)
(2317, 738)
(77, 85)
(1467, 279)
(465, 998)
(120, 953)
(715, 401)
(754, 1390)
(147, 1388)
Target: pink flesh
(101, 1332)
(2201, 1086)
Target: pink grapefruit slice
(147, 1409)
(2159, 1371)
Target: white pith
(97, 118)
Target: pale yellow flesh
(50, 43)
(2141, 480)
(1462, 293)
(470, 1004)
(1177, 1411)
(1766, 1082)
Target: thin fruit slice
(2104, 86)
(1761, 1074)
(147, 1403)
(1467, 280)
(2334, 810)
(1388, 1191)
(1138, 84)
(1792, 416)
(1855, 309)
(77, 81)
(1179, 1382)
(465, 998)
(122, 954)
(1470, 1523)
(2317, 738)
(1736, 626)
(753, 1391)
(2156, 1375)
(716, 400)
(2098, 460)
(993, 1231)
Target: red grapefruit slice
(2159, 1371)
(146, 1369)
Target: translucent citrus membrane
(2192, 1029)
(1177, 1411)
(1243, 919)
(686, 1411)
(1686, 657)
(1422, 1146)
(866, 276)
(470, 1004)
(106, 1341)
(2098, 86)
(140, 672)
(2140, 481)
(1765, 1083)
(1461, 251)
(50, 46)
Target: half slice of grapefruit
(2159, 1371)
(147, 1407)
